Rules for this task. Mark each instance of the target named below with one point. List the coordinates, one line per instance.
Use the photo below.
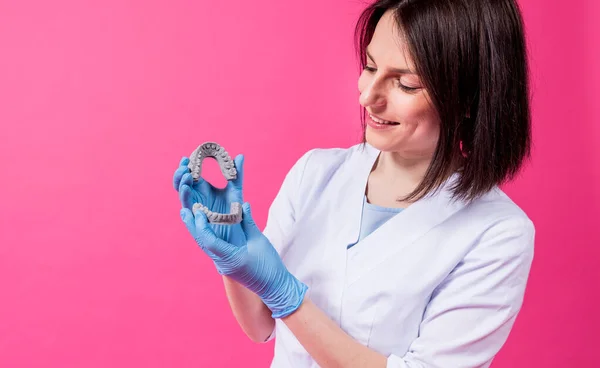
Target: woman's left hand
(255, 264)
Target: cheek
(415, 110)
(428, 126)
(420, 119)
(412, 113)
(431, 121)
(428, 129)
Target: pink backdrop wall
(98, 102)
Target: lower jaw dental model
(214, 150)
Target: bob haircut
(470, 55)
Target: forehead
(388, 45)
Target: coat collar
(401, 230)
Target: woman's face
(389, 90)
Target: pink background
(99, 101)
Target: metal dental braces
(214, 150)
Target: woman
(401, 251)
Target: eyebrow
(395, 70)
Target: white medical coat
(438, 285)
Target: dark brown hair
(471, 57)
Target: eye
(406, 88)
(370, 69)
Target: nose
(372, 95)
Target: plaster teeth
(234, 217)
(229, 171)
(214, 150)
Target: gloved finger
(186, 197)
(188, 219)
(190, 223)
(186, 179)
(184, 161)
(207, 237)
(181, 170)
(248, 224)
(202, 185)
(239, 166)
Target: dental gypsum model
(214, 150)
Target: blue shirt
(374, 216)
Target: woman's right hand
(215, 199)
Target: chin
(380, 141)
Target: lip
(371, 123)
(377, 116)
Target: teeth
(377, 120)
(233, 217)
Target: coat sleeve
(471, 313)
(282, 212)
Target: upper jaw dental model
(214, 150)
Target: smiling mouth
(381, 121)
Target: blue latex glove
(256, 264)
(216, 199)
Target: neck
(395, 167)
